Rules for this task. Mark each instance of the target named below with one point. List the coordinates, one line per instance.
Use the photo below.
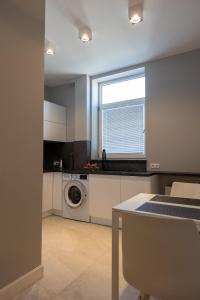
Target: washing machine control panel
(79, 177)
(67, 176)
(83, 177)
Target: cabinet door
(54, 113)
(54, 132)
(57, 191)
(47, 191)
(104, 194)
(133, 185)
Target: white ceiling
(169, 27)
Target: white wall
(21, 86)
(82, 109)
(173, 112)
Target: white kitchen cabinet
(57, 193)
(54, 113)
(47, 192)
(133, 185)
(54, 132)
(104, 193)
(52, 193)
(54, 128)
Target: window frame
(117, 104)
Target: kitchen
(127, 178)
(54, 180)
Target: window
(121, 117)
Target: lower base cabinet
(133, 185)
(106, 191)
(57, 192)
(47, 197)
(52, 193)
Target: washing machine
(76, 197)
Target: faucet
(103, 159)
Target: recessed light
(135, 13)
(85, 34)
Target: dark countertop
(52, 170)
(122, 173)
(101, 172)
(174, 173)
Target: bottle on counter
(103, 159)
(61, 163)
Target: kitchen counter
(101, 172)
(52, 170)
(122, 173)
(174, 173)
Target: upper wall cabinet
(54, 122)
(54, 113)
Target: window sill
(124, 156)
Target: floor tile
(77, 263)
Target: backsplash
(123, 165)
(75, 155)
(82, 153)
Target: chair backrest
(161, 256)
(186, 190)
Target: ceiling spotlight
(135, 12)
(50, 47)
(85, 34)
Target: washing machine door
(75, 194)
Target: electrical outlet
(155, 166)
(56, 163)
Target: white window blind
(121, 115)
(123, 128)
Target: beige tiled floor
(77, 263)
